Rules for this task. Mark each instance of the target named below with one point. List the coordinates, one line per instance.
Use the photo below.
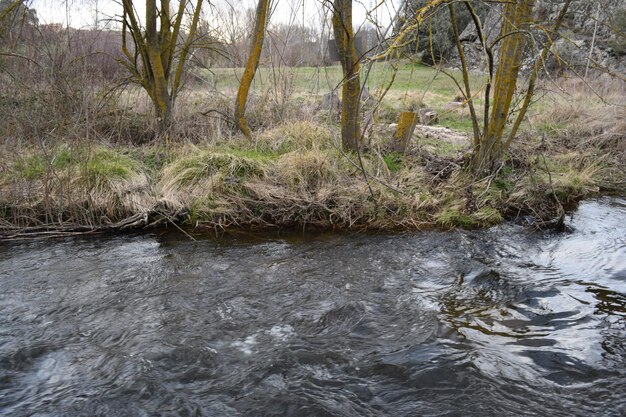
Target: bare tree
(157, 59)
(503, 77)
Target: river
(504, 321)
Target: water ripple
(498, 322)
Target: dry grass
(296, 136)
(302, 181)
(103, 167)
(66, 186)
(585, 114)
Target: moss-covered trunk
(351, 90)
(159, 66)
(256, 47)
(516, 17)
(158, 59)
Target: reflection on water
(498, 322)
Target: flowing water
(504, 321)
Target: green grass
(99, 165)
(393, 161)
(453, 121)
(30, 168)
(34, 166)
(414, 86)
(454, 218)
(313, 80)
(189, 169)
(440, 147)
(251, 154)
(106, 165)
(487, 216)
(153, 158)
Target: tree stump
(404, 131)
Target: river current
(504, 321)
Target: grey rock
(428, 117)
(572, 51)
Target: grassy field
(316, 80)
(414, 85)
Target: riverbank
(101, 169)
(294, 176)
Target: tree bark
(516, 17)
(157, 79)
(351, 89)
(256, 47)
(152, 63)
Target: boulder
(428, 116)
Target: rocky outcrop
(578, 45)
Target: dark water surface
(498, 322)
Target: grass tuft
(106, 166)
(306, 172)
(452, 217)
(487, 217)
(189, 169)
(294, 136)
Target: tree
(159, 52)
(516, 19)
(351, 88)
(14, 15)
(504, 57)
(503, 77)
(256, 47)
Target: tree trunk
(517, 16)
(351, 90)
(163, 116)
(256, 46)
(158, 82)
(157, 58)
